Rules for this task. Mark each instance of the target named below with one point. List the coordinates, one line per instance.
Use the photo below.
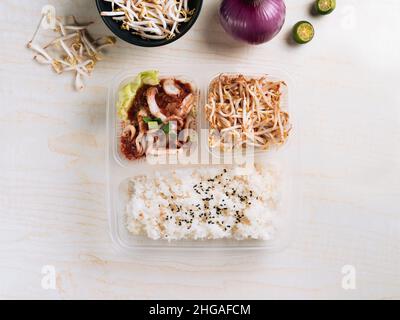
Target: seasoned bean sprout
(150, 19)
(245, 111)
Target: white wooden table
(52, 164)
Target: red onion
(253, 21)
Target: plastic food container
(121, 170)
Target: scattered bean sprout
(150, 19)
(72, 50)
(246, 111)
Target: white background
(52, 166)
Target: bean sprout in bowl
(149, 23)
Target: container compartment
(117, 123)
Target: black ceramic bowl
(127, 36)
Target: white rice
(204, 204)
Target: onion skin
(252, 21)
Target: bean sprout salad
(150, 19)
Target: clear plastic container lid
(121, 170)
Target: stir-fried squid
(150, 19)
(245, 112)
